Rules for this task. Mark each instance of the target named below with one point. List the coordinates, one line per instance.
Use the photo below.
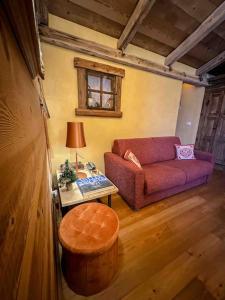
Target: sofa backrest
(148, 150)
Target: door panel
(215, 103)
(210, 127)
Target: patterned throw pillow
(185, 151)
(131, 157)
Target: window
(99, 89)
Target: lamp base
(81, 175)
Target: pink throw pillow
(131, 157)
(185, 151)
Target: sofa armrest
(204, 156)
(127, 177)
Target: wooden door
(211, 131)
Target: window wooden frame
(83, 66)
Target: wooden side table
(73, 197)
(88, 234)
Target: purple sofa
(161, 174)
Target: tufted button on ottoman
(89, 237)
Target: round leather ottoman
(89, 237)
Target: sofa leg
(136, 209)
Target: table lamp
(75, 139)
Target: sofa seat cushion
(159, 177)
(193, 169)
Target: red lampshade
(75, 135)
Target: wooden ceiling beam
(100, 8)
(74, 43)
(140, 12)
(211, 64)
(214, 20)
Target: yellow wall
(189, 113)
(149, 102)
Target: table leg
(110, 200)
(99, 200)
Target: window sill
(97, 113)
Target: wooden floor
(174, 249)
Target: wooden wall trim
(74, 43)
(98, 113)
(213, 21)
(92, 65)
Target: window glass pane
(93, 99)
(107, 83)
(93, 82)
(107, 101)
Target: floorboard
(173, 249)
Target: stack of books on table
(95, 187)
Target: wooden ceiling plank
(85, 17)
(199, 10)
(203, 53)
(103, 10)
(211, 64)
(216, 18)
(220, 31)
(74, 43)
(140, 12)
